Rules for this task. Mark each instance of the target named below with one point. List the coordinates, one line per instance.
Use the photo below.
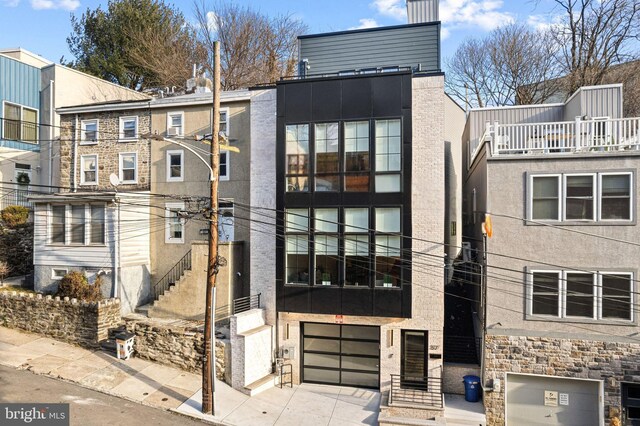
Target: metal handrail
(244, 304)
(174, 274)
(416, 390)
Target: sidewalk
(168, 388)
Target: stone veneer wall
(72, 321)
(107, 148)
(611, 362)
(180, 347)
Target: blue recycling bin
(471, 388)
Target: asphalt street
(87, 407)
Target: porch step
(387, 420)
(144, 309)
(261, 385)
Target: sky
(42, 26)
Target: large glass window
(615, 192)
(77, 224)
(326, 246)
(546, 198)
(297, 246)
(579, 197)
(86, 224)
(356, 147)
(545, 293)
(20, 123)
(356, 247)
(388, 156)
(327, 157)
(58, 228)
(388, 260)
(297, 148)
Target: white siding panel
(135, 230)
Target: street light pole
(208, 366)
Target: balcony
(565, 137)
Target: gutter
(75, 154)
(116, 251)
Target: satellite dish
(114, 179)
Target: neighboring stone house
(558, 301)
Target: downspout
(51, 132)
(116, 251)
(75, 154)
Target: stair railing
(174, 274)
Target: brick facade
(107, 149)
(611, 362)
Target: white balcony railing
(565, 137)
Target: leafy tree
(134, 43)
(16, 240)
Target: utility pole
(208, 365)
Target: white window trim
(168, 161)
(562, 293)
(82, 170)
(58, 277)
(121, 128)
(50, 226)
(167, 223)
(169, 115)
(560, 197)
(564, 197)
(227, 155)
(83, 140)
(120, 171)
(22, 107)
(67, 226)
(226, 111)
(631, 198)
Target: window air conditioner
(172, 131)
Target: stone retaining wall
(69, 320)
(611, 362)
(180, 347)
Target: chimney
(420, 11)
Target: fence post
(494, 139)
(578, 134)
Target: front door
(414, 369)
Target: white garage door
(546, 400)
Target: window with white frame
(128, 128)
(77, 224)
(175, 166)
(174, 223)
(89, 169)
(89, 132)
(58, 274)
(606, 196)
(128, 167)
(224, 121)
(224, 165)
(225, 221)
(175, 123)
(599, 295)
(20, 123)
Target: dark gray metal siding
(403, 46)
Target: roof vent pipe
(420, 11)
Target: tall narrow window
(356, 147)
(356, 247)
(579, 199)
(545, 202)
(580, 295)
(388, 247)
(29, 125)
(128, 168)
(388, 156)
(224, 165)
(89, 132)
(545, 293)
(298, 158)
(58, 228)
(225, 221)
(89, 172)
(326, 246)
(224, 121)
(97, 224)
(175, 166)
(11, 122)
(77, 224)
(128, 128)
(297, 246)
(615, 193)
(174, 223)
(616, 296)
(327, 157)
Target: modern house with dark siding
(361, 147)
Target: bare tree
(593, 36)
(254, 48)
(511, 65)
(5, 269)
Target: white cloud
(485, 14)
(366, 23)
(392, 8)
(10, 3)
(544, 22)
(212, 22)
(444, 33)
(69, 5)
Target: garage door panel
(322, 360)
(321, 345)
(353, 378)
(360, 348)
(360, 363)
(321, 375)
(358, 332)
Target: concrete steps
(261, 385)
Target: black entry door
(338, 354)
(414, 369)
